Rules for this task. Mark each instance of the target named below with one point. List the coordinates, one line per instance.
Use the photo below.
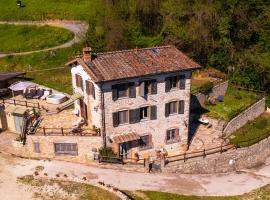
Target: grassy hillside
(20, 38)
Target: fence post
(221, 148)
(44, 132)
(204, 155)
(14, 102)
(62, 131)
(26, 104)
(185, 157)
(38, 106)
(3, 101)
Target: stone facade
(85, 146)
(157, 128)
(240, 120)
(199, 99)
(231, 160)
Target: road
(79, 29)
(210, 184)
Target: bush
(206, 88)
(107, 154)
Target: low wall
(199, 99)
(46, 146)
(240, 120)
(235, 159)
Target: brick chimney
(87, 54)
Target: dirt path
(79, 29)
(214, 185)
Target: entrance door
(124, 150)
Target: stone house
(139, 98)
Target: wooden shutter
(114, 92)
(77, 80)
(167, 84)
(167, 109)
(115, 119)
(182, 79)
(177, 137)
(153, 110)
(132, 90)
(90, 88)
(153, 87)
(132, 116)
(181, 107)
(142, 89)
(150, 141)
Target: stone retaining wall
(199, 99)
(240, 120)
(235, 159)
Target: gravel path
(212, 184)
(79, 29)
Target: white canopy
(21, 85)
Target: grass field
(234, 102)
(49, 9)
(20, 38)
(253, 131)
(261, 193)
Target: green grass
(57, 79)
(253, 131)
(73, 189)
(262, 193)
(197, 83)
(234, 102)
(20, 38)
(49, 9)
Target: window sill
(172, 141)
(123, 124)
(145, 148)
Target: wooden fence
(118, 160)
(67, 132)
(21, 103)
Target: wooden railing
(203, 153)
(67, 132)
(118, 160)
(21, 103)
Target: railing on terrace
(67, 132)
(185, 156)
(21, 103)
(117, 160)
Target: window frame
(169, 139)
(59, 146)
(142, 112)
(175, 107)
(127, 117)
(149, 145)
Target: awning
(126, 137)
(21, 85)
(4, 76)
(69, 102)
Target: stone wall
(249, 114)
(46, 145)
(235, 159)
(199, 99)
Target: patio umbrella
(21, 85)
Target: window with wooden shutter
(153, 112)
(153, 87)
(172, 136)
(114, 92)
(77, 78)
(181, 107)
(182, 80)
(167, 84)
(142, 89)
(115, 119)
(123, 117)
(132, 90)
(167, 108)
(145, 142)
(90, 89)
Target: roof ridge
(135, 49)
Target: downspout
(103, 128)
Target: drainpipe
(103, 128)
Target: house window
(172, 135)
(90, 89)
(79, 81)
(175, 82)
(66, 148)
(144, 113)
(148, 87)
(123, 90)
(145, 142)
(174, 107)
(36, 147)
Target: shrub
(206, 88)
(107, 154)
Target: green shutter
(142, 89)
(167, 109)
(115, 119)
(132, 90)
(153, 87)
(114, 92)
(181, 107)
(182, 82)
(153, 112)
(132, 116)
(167, 84)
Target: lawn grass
(253, 131)
(262, 193)
(20, 38)
(65, 189)
(49, 9)
(234, 102)
(197, 83)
